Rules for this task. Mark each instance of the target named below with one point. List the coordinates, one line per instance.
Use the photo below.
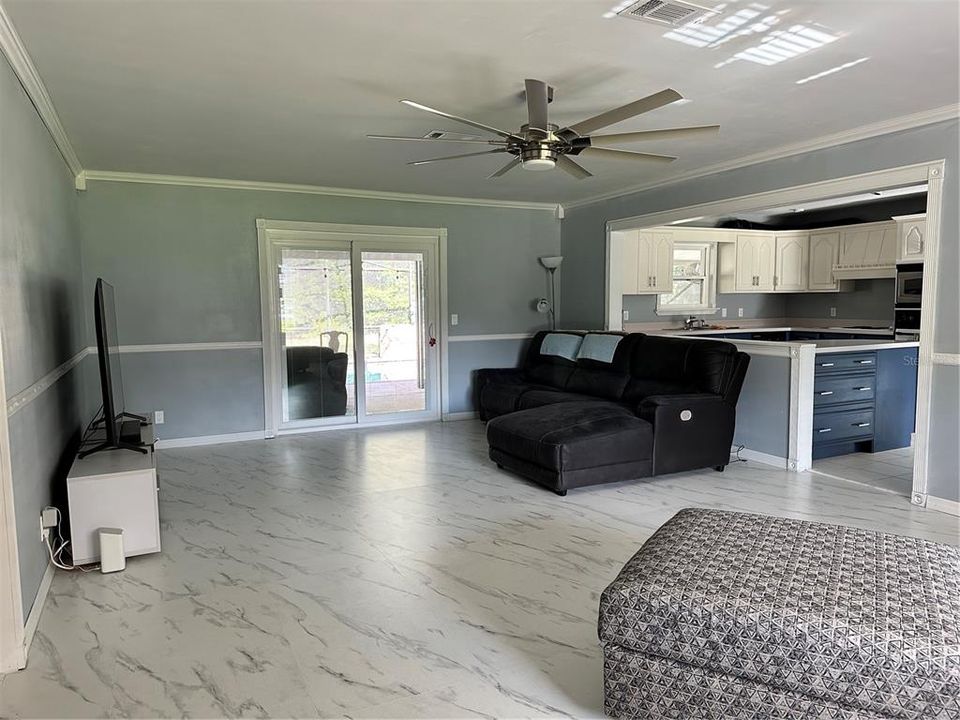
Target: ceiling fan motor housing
(538, 155)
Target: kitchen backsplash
(869, 300)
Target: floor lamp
(551, 263)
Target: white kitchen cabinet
(792, 262)
(911, 236)
(756, 262)
(867, 251)
(647, 263)
(824, 255)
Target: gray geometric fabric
(642, 686)
(850, 618)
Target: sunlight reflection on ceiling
(776, 40)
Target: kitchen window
(694, 281)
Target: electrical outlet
(739, 312)
(626, 315)
(833, 312)
(48, 519)
(454, 319)
(723, 312)
(158, 417)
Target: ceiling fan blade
(637, 107)
(536, 104)
(457, 118)
(432, 139)
(672, 133)
(505, 169)
(627, 155)
(572, 168)
(454, 157)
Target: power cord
(736, 454)
(55, 553)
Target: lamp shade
(551, 262)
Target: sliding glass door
(354, 323)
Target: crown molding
(227, 184)
(12, 46)
(864, 132)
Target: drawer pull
(864, 362)
(861, 424)
(863, 389)
(825, 392)
(827, 364)
(824, 430)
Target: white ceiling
(285, 90)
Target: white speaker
(111, 550)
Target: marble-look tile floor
(890, 470)
(378, 573)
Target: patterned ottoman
(730, 615)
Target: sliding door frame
(273, 232)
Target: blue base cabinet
(864, 401)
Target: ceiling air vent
(664, 12)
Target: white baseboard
(951, 507)
(33, 619)
(761, 457)
(209, 440)
(468, 415)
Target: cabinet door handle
(827, 364)
(863, 389)
(864, 362)
(825, 392)
(824, 430)
(861, 424)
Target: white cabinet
(911, 235)
(824, 255)
(114, 489)
(792, 260)
(867, 251)
(647, 263)
(756, 262)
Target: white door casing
(273, 234)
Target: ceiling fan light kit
(540, 145)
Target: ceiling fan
(542, 145)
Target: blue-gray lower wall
(465, 357)
(41, 315)
(943, 477)
(763, 411)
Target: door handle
(825, 392)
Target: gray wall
(184, 263)
(869, 300)
(763, 410)
(583, 241)
(41, 314)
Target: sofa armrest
(485, 376)
(690, 431)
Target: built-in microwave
(909, 285)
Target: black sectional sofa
(589, 408)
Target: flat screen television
(111, 376)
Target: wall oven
(909, 285)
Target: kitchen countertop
(784, 328)
(836, 346)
